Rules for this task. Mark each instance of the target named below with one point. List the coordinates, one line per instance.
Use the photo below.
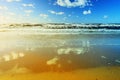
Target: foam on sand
(71, 50)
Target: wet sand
(82, 57)
(101, 73)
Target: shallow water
(57, 52)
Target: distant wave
(32, 30)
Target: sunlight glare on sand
(14, 55)
(21, 54)
(52, 61)
(6, 57)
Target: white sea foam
(71, 50)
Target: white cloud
(64, 18)
(28, 11)
(105, 16)
(13, 0)
(44, 16)
(87, 12)
(69, 15)
(76, 3)
(28, 5)
(77, 16)
(4, 19)
(3, 8)
(56, 13)
(27, 15)
(11, 13)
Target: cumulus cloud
(105, 16)
(28, 5)
(4, 19)
(11, 13)
(44, 16)
(76, 3)
(27, 14)
(69, 15)
(3, 8)
(64, 18)
(87, 12)
(28, 11)
(56, 13)
(13, 0)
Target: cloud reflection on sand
(11, 56)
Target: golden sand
(101, 73)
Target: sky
(59, 11)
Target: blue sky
(59, 11)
